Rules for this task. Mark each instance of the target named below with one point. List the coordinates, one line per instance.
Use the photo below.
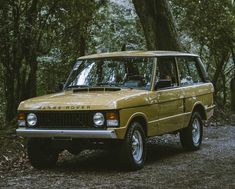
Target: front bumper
(46, 133)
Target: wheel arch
(198, 107)
(141, 118)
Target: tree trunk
(20, 57)
(11, 107)
(224, 87)
(82, 46)
(30, 50)
(9, 60)
(158, 24)
(31, 83)
(219, 67)
(232, 86)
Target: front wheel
(191, 136)
(133, 151)
(40, 153)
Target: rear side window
(166, 73)
(189, 71)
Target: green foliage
(208, 23)
(116, 25)
(29, 29)
(41, 40)
(76, 18)
(52, 71)
(207, 29)
(33, 30)
(108, 27)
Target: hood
(87, 100)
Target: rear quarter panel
(198, 94)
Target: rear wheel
(133, 150)
(191, 137)
(40, 153)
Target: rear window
(189, 71)
(166, 73)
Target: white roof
(138, 54)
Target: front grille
(64, 120)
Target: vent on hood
(96, 89)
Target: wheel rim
(196, 131)
(137, 146)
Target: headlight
(31, 119)
(98, 119)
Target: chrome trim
(47, 133)
(210, 107)
(170, 117)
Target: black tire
(133, 159)
(40, 154)
(191, 136)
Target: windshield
(112, 72)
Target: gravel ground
(167, 166)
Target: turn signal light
(21, 116)
(111, 116)
(21, 120)
(112, 119)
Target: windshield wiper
(107, 84)
(77, 86)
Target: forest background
(40, 40)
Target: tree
(27, 33)
(232, 85)
(76, 19)
(158, 24)
(208, 30)
(32, 29)
(116, 25)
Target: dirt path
(168, 166)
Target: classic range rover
(118, 100)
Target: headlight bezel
(31, 119)
(99, 119)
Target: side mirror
(163, 83)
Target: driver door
(168, 96)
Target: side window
(189, 71)
(166, 73)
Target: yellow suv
(118, 100)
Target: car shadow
(95, 160)
(158, 152)
(101, 160)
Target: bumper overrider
(46, 133)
